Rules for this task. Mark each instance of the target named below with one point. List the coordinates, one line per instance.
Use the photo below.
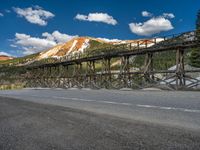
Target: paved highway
(176, 109)
(56, 119)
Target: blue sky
(33, 25)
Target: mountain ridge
(5, 57)
(80, 45)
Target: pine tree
(195, 53)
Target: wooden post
(106, 77)
(180, 69)
(125, 71)
(148, 67)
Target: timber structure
(81, 71)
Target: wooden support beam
(90, 74)
(106, 77)
(77, 75)
(125, 75)
(180, 69)
(148, 67)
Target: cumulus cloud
(152, 26)
(35, 15)
(97, 17)
(58, 37)
(4, 53)
(1, 15)
(146, 14)
(13, 45)
(32, 45)
(168, 15)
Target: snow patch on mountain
(50, 53)
(109, 40)
(84, 46)
(72, 47)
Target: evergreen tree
(195, 53)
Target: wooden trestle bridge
(81, 70)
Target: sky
(30, 26)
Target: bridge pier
(180, 69)
(90, 80)
(124, 75)
(77, 76)
(65, 75)
(148, 68)
(106, 77)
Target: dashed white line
(74, 99)
(88, 100)
(170, 108)
(126, 104)
(108, 102)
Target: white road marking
(170, 108)
(124, 104)
(88, 100)
(108, 102)
(75, 99)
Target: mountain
(4, 57)
(77, 45)
(91, 45)
(82, 44)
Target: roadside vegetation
(12, 86)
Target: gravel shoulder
(32, 126)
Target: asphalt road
(179, 109)
(99, 119)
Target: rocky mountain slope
(81, 44)
(4, 57)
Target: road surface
(181, 109)
(99, 119)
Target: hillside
(88, 44)
(4, 57)
(79, 45)
(76, 45)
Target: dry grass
(12, 86)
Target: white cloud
(58, 37)
(97, 17)
(168, 15)
(12, 45)
(1, 15)
(151, 26)
(146, 14)
(4, 53)
(35, 15)
(110, 40)
(81, 17)
(32, 45)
